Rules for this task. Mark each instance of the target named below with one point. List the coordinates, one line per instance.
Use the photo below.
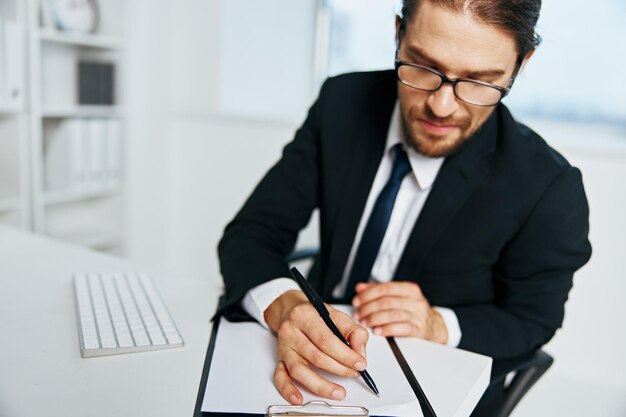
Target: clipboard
(425, 405)
(316, 409)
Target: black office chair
(526, 370)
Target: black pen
(323, 312)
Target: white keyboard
(121, 313)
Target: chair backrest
(527, 373)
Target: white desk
(41, 370)
(43, 374)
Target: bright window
(577, 74)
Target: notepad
(242, 368)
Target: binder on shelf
(113, 171)
(12, 64)
(95, 154)
(46, 21)
(64, 156)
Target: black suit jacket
(498, 240)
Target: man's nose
(443, 101)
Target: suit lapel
(457, 179)
(367, 151)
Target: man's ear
(398, 24)
(526, 58)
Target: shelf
(83, 111)
(9, 204)
(79, 39)
(9, 110)
(64, 197)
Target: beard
(434, 146)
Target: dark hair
(518, 17)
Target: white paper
(465, 375)
(243, 363)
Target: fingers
(367, 292)
(308, 350)
(285, 385)
(404, 329)
(305, 340)
(393, 308)
(383, 317)
(355, 334)
(409, 306)
(295, 368)
(326, 341)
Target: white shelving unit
(15, 207)
(91, 212)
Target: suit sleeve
(533, 275)
(256, 242)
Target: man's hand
(304, 340)
(398, 309)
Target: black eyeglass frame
(504, 91)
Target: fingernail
(378, 331)
(359, 366)
(293, 399)
(356, 302)
(337, 394)
(363, 351)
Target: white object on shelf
(81, 16)
(113, 172)
(64, 159)
(45, 15)
(95, 152)
(12, 64)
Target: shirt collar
(424, 168)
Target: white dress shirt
(411, 197)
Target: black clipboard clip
(316, 409)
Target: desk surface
(43, 374)
(41, 370)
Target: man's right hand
(304, 340)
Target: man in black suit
(441, 217)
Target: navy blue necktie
(377, 223)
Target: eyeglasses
(477, 93)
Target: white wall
(191, 170)
(588, 376)
(195, 155)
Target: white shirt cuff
(452, 324)
(259, 298)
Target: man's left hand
(398, 309)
